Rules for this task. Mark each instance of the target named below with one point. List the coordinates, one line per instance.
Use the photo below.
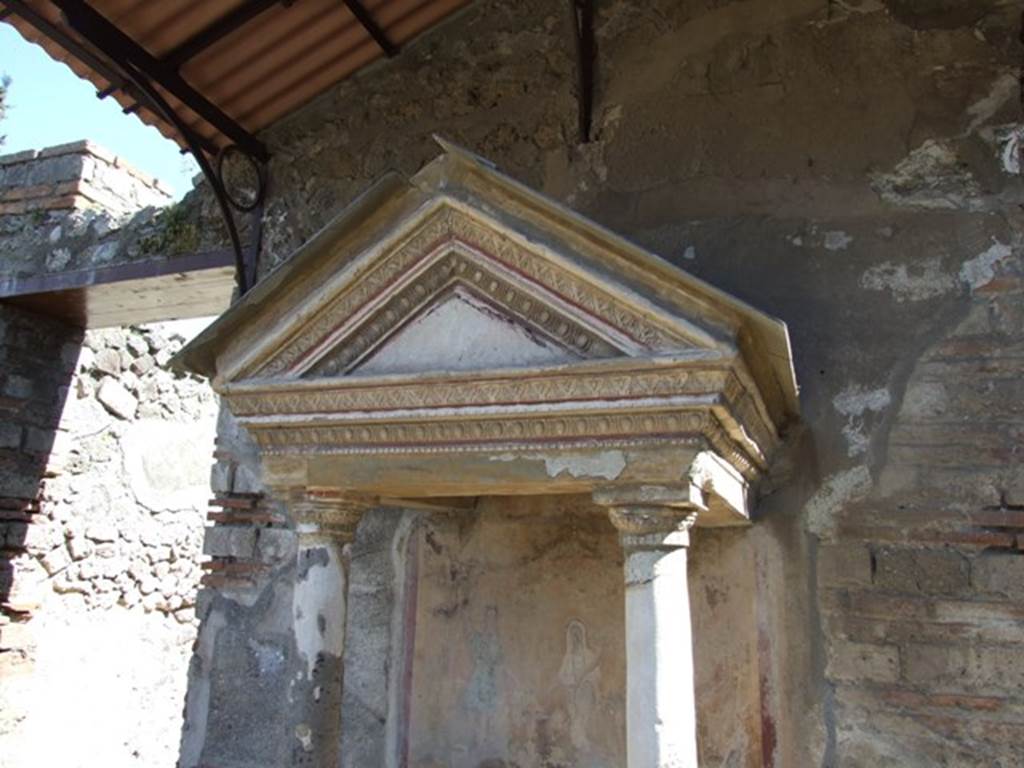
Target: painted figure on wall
(482, 695)
(522, 665)
(579, 675)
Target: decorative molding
(639, 519)
(449, 246)
(491, 242)
(326, 514)
(369, 284)
(528, 432)
(637, 379)
(364, 437)
(456, 270)
(639, 356)
(610, 404)
(716, 381)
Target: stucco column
(326, 525)
(661, 721)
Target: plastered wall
(850, 168)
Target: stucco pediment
(457, 290)
(459, 313)
(456, 293)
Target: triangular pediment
(456, 291)
(448, 304)
(460, 269)
(458, 312)
(460, 331)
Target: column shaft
(326, 527)
(661, 711)
(661, 717)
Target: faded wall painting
(517, 638)
(730, 634)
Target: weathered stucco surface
(842, 166)
(518, 647)
(846, 167)
(849, 167)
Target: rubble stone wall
(128, 476)
(77, 207)
(37, 360)
(105, 558)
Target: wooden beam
(194, 285)
(201, 293)
(134, 270)
(219, 29)
(119, 47)
(364, 17)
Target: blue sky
(48, 104)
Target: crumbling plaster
(840, 165)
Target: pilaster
(654, 525)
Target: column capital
(652, 517)
(325, 514)
(652, 527)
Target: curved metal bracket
(143, 84)
(238, 197)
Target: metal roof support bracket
(241, 268)
(137, 73)
(583, 32)
(118, 47)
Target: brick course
(947, 555)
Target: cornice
(585, 313)
(620, 402)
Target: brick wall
(920, 584)
(75, 175)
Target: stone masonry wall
(850, 167)
(76, 175)
(920, 570)
(37, 358)
(78, 207)
(104, 479)
(106, 562)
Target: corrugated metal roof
(282, 57)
